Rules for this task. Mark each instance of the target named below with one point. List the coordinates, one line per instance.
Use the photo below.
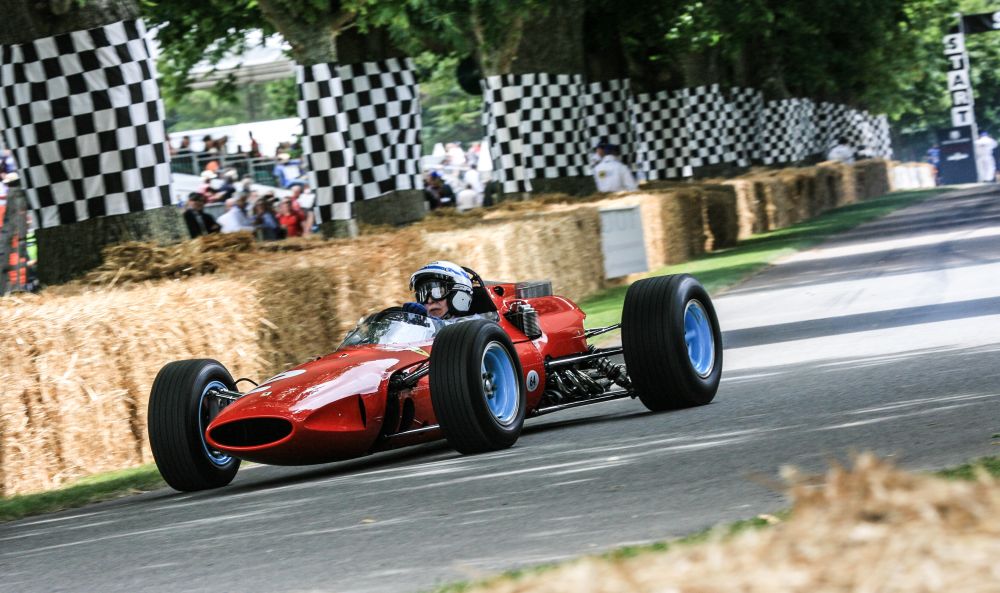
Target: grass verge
(85, 491)
(722, 269)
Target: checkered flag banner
(536, 127)
(83, 114)
(789, 131)
(607, 113)
(663, 148)
(747, 107)
(707, 117)
(361, 131)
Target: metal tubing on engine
(559, 363)
(609, 396)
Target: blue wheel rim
(207, 410)
(500, 385)
(700, 338)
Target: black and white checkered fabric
(789, 131)
(361, 131)
(663, 149)
(881, 137)
(553, 127)
(608, 113)
(544, 114)
(83, 114)
(707, 119)
(530, 121)
(747, 108)
(502, 120)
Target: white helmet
(443, 279)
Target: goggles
(434, 289)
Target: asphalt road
(885, 339)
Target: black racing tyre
(477, 386)
(672, 342)
(179, 412)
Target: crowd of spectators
(268, 216)
(453, 178)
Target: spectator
(472, 156)
(205, 189)
(986, 164)
(228, 187)
(8, 164)
(306, 200)
(841, 151)
(198, 221)
(453, 155)
(287, 172)
(438, 193)
(468, 198)
(254, 147)
(610, 174)
(290, 219)
(235, 219)
(185, 146)
(933, 157)
(265, 221)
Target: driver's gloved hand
(415, 308)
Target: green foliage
(208, 109)
(447, 113)
(86, 491)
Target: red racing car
(402, 378)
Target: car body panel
(342, 405)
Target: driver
(442, 290)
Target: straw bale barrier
(78, 369)
(559, 243)
(722, 223)
(868, 528)
(871, 178)
(80, 358)
(751, 211)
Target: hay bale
(841, 181)
(78, 370)
(720, 211)
(561, 243)
(871, 178)
(751, 212)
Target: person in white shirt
(235, 219)
(986, 164)
(610, 174)
(841, 151)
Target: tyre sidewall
(700, 390)
(196, 431)
(507, 434)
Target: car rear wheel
(180, 409)
(477, 387)
(672, 342)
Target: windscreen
(394, 327)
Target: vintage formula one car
(401, 378)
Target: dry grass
(865, 529)
(78, 369)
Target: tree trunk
(67, 250)
(552, 43)
(27, 20)
(548, 43)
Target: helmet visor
(433, 289)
